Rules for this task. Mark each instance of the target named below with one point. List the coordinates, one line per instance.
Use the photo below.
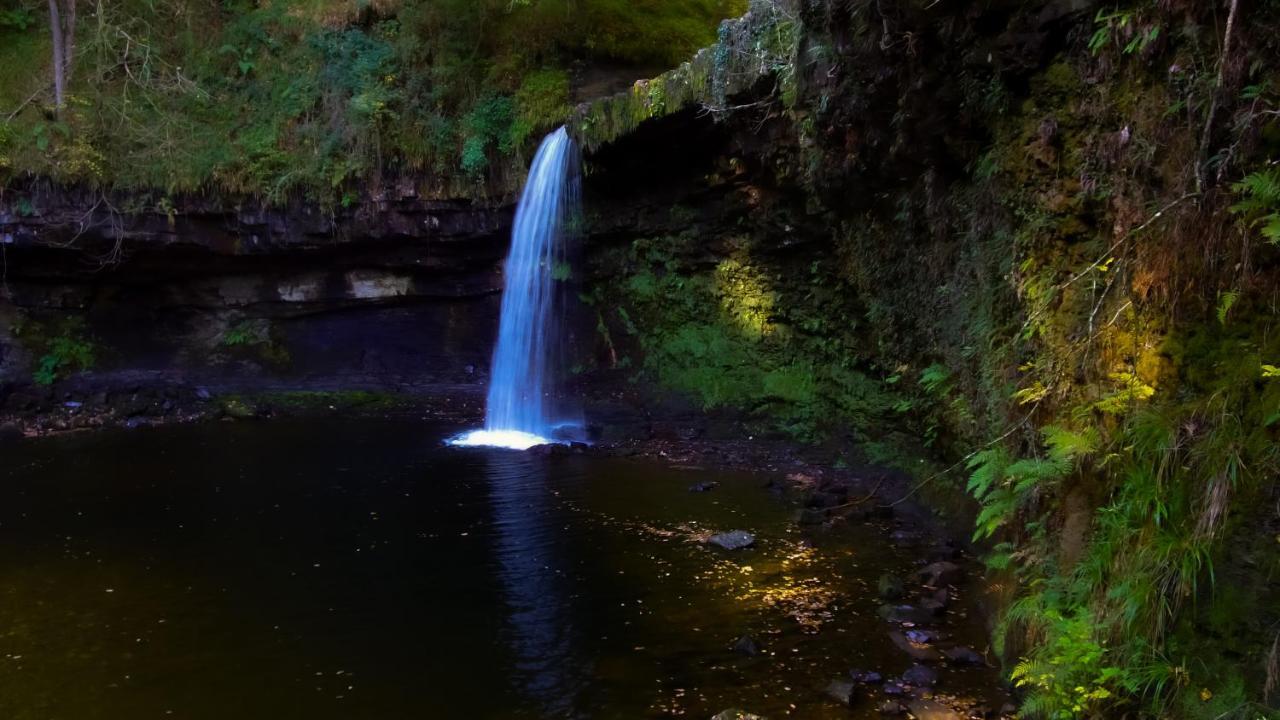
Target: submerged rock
(890, 587)
(924, 709)
(919, 653)
(746, 645)
(866, 677)
(891, 707)
(920, 676)
(936, 601)
(812, 516)
(842, 691)
(735, 714)
(941, 573)
(733, 540)
(962, 655)
(922, 637)
(701, 487)
(905, 614)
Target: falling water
(522, 405)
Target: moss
(248, 405)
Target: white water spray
(523, 408)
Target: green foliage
(258, 339)
(1259, 202)
(717, 335)
(243, 333)
(541, 102)
(17, 19)
(488, 125)
(61, 348)
(305, 97)
(1123, 29)
(1226, 301)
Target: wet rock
(735, 714)
(830, 498)
(550, 449)
(922, 637)
(746, 645)
(905, 614)
(812, 516)
(893, 688)
(919, 653)
(733, 540)
(941, 573)
(842, 691)
(920, 676)
(866, 677)
(890, 587)
(891, 707)
(924, 709)
(904, 538)
(10, 431)
(962, 655)
(203, 394)
(936, 602)
(944, 551)
(701, 487)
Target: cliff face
(1014, 249)
(394, 290)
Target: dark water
(359, 569)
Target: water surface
(361, 569)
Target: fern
(1068, 445)
(1259, 202)
(934, 379)
(988, 469)
(1226, 301)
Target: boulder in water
(746, 645)
(842, 691)
(961, 655)
(735, 714)
(920, 676)
(941, 573)
(890, 587)
(733, 540)
(866, 677)
(919, 653)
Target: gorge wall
(1017, 249)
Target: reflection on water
(338, 569)
(531, 554)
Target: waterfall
(523, 407)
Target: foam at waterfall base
(509, 439)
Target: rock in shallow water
(735, 714)
(924, 709)
(905, 614)
(920, 676)
(961, 655)
(890, 587)
(842, 691)
(746, 645)
(733, 540)
(941, 573)
(866, 677)
(919, 653)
